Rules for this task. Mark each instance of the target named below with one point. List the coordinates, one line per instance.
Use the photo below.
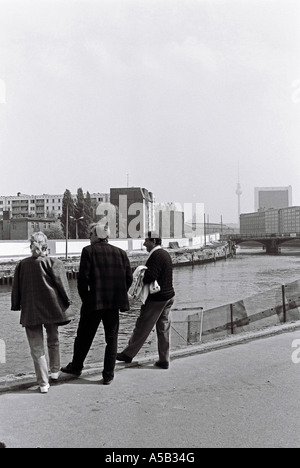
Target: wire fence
(194, 325)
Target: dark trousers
(152, 313)
(87, 328)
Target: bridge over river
(271, 242)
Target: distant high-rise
(239, 193)
(272, 197)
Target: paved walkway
(242, 392)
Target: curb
(21, 382)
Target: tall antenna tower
(239, 193)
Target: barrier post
(231, 318)
(201, 325)
(283, 303)
(189, 330)
(194, 328)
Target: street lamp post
(76, 224)
(67, 231)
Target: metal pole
(67, 231)
(231, 318)
(201, 325)
(283, 303)
(208, 227)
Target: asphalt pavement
(241, 392)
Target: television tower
(239, 193)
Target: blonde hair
(38, 244)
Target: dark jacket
(104, 277)
(41, 291)
(160, 268)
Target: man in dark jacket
(157, 307)
(103, 281)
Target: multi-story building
(289, 220)
(135, 211)
(272, 197)
(271, 220)
(284, 221)
(252, 223)
(40, 206)
(23, 206)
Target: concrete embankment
(180, 257)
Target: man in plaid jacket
(104, 279)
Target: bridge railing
(255, 235)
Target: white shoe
(54, 375)
(45, 388)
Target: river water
(250, 272)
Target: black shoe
(162, 364)
(108, 380)
(69, 369)
(124, 357)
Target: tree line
(77, 215)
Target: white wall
(14, 249)
(11, 249)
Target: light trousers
(35, 338)
(152, 313)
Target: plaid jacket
(41, 291)
(104, 277)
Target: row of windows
(31, 201)
(42, 208)
(34, 225)
(37, 207)
(38, 225)
(47, 201)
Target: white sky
(175, 93)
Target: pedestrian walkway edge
(20, 382)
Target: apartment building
(23, 206)
(40, 206)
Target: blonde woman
(41, 291)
